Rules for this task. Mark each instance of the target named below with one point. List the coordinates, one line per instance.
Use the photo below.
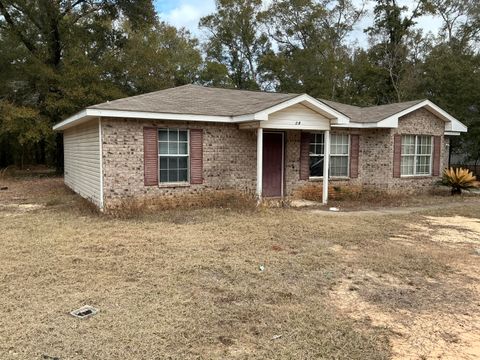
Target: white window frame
(329, 163)
(340, 155)
(322, 154)
(415, 155)
(187, 155)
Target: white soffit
(87, 114)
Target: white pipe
(259, 162)
(326, 160)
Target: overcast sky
(187, 13)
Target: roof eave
(333, 115)
(451, 123)
(73, 120)
(337, 119)
(89, 113)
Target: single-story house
(191, 138)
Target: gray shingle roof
(198, 100)
(370, 114)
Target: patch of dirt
(26, 195)
(405, 209)
(18, 209)
(187, 284)
(453, 230)
(415, 335)
(447, 229)
(428, 318)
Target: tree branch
(71, 7)
(33, 19)
(8, 18)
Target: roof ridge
(394, 103)
(404, 103)
(372, 113)
(259, 91)
(372, 106)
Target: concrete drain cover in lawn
(84, 312)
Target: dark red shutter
(305, 156)
(354, 148)
(437, 150)
(397, 155)
(150, 156)
(196, 156)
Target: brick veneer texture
(229, 157)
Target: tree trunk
(21, 157)
(59, 153)
(449, 153)
(456, 191)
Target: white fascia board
(307, 100)
(89, 113)
(451, 133)
(245, 118)
(451, 124)
(158, 116)
(354, 125)
(290, 127)
(78, 117)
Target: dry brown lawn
(187, 284)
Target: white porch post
(259, 162)
(326, 160)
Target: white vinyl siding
(81, 146)
(297, 116)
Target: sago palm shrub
(459, 179)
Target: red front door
(272, 164)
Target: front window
(173, 154)
(339, 159)
(339, 155)
(317, 153)
(416, 155)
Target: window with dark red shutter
(196, 156)
(354, 150)
(397, 155)
(150, 156)
(305, 156)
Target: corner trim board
(100, 140)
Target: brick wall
(375, 167)
(375, 157)
(230, 157)
(420, 122)
(292, 162)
